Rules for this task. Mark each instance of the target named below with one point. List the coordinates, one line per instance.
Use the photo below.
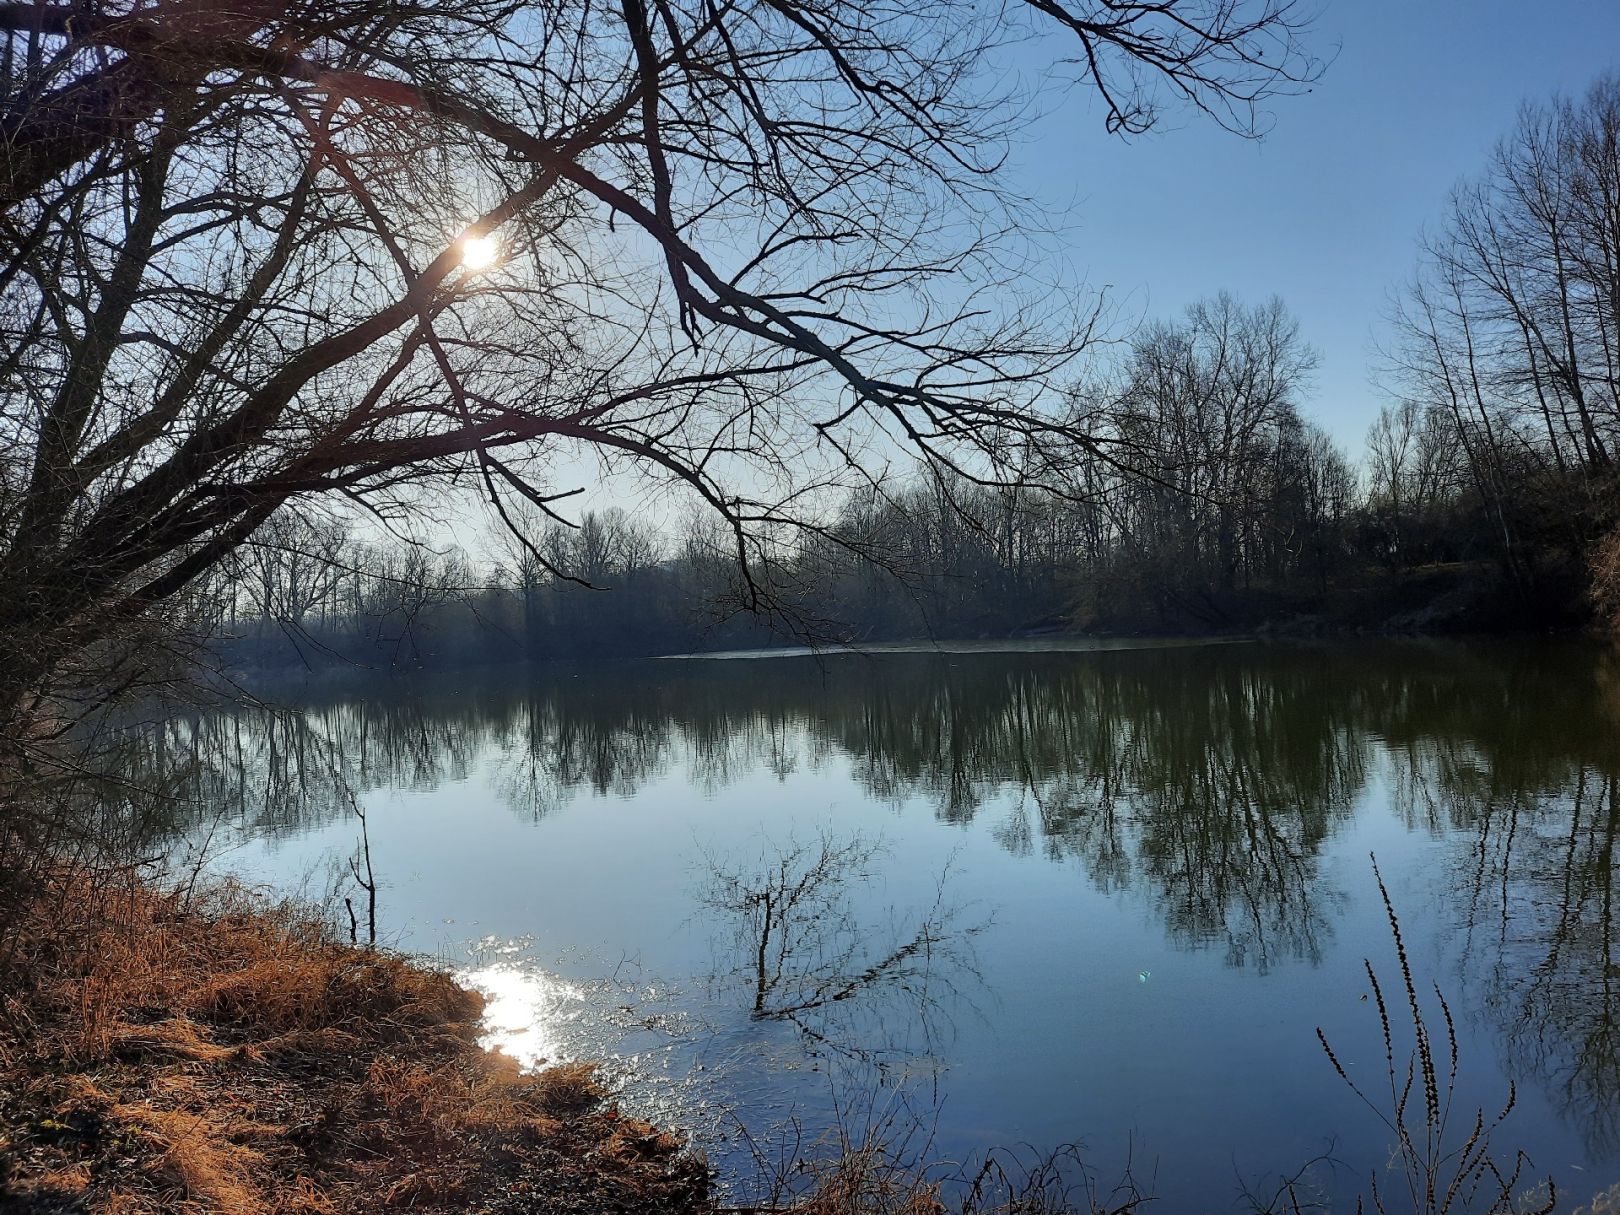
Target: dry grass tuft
(196, 1163)
(568, 1088)
(1441, 1156)
(176, 1038)
(326, 987)
(68, 1181)
(322, 1040)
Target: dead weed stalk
(1443, 1165)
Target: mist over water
(1038, 898)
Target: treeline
(314, 591)
(1206, 501)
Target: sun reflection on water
(527, 1012)
(659, 1060)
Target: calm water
(1027, 897)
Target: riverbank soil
(175, 1052)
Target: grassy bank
(174, 1052)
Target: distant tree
(1209, 407)
(1412, 470)
(1315, 495)
(294, 567)
(260, 252)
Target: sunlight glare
(524, 1010)
(479, 252)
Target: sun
(479, 252)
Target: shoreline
(168, 1052)
(217, 1052)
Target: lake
(991, 897)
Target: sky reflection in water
(1201, 816)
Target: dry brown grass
(869, 1182)
(198, 1160)
(161, 1053)
(1603, 564)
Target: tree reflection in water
(1208, 779)
(792, 936)
(1539, 919)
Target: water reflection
(526, 1011)
(790, 939)
(1213, 777)
(1208, 782)
(1540, 918)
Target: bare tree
(261, 252)
(1412, 467)
(1511, 328)
(1208, 410)
(293, 567)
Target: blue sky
(1327, 209)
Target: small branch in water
(368, 882)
